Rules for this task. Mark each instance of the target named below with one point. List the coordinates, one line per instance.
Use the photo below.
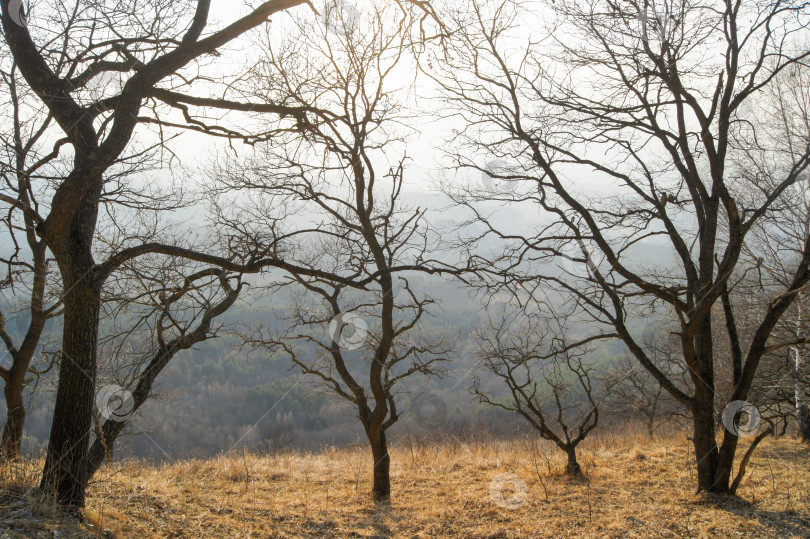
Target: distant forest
(223, 396)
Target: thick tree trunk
(64, 474)
(725, 463)
(572, 468)
(15, 420)
(710, 477)
(382, 467)
(69, 234)
(713, 465)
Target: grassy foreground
(636, 488)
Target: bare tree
(154, 302)
(26, 262)
(354, 329)
(549, 379)
(647, 97)
(778, 239)
(31, 165)
(166, 309)
(146, 47)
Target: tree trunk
(21, 358)
(802, 412)
(15, 420)
(572, 468)
(804, 422)
(382, 467)
(102, 448)
(104, 443)
(64, 473)
(713, 465)
(725, 463)
(705, 444)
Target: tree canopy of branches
(334, 201)
(778, 240)
(27, 262)
(154, 50)
(162, 310)
(635, 392)
(648, 97)
(550, 383)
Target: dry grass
(23, 514)
(636, 488)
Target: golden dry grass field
(635, 488)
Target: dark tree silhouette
(336, 201)
(649, 97)
(147, 47)
(175, 314)
(27, 262)
(549, 380)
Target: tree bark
(64, 473)
(704, 442)
(725, 463)
(572, 468)
(382, 467)
(15, 420)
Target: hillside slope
(635, 489)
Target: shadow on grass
(376, 517)
(786, 523)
